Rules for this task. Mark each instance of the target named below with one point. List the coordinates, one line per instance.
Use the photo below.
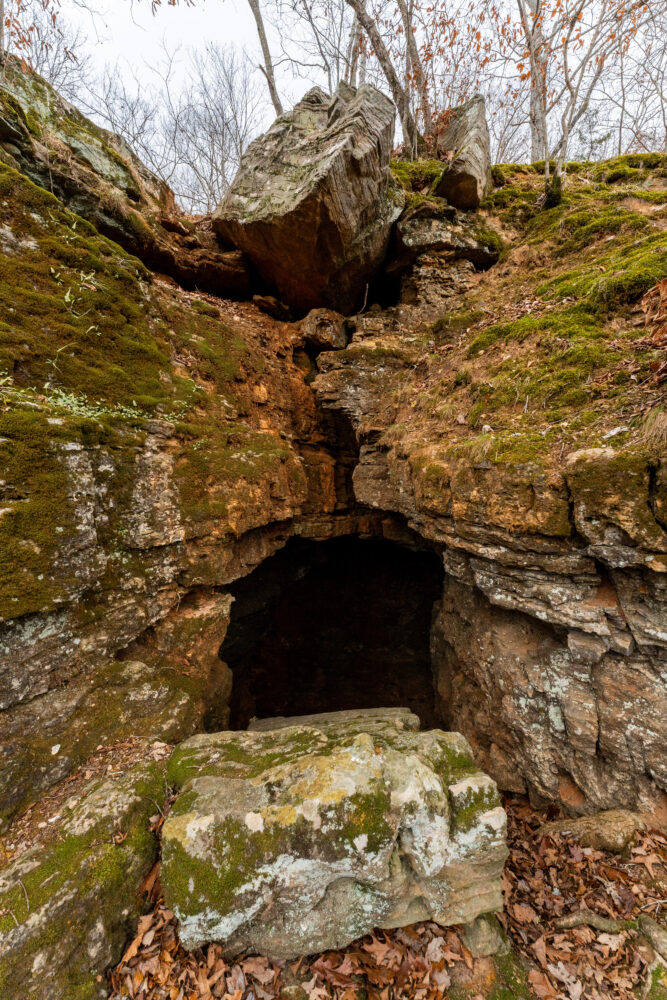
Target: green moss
(580, 229)
(462, 377)
(448, 326)
(437, 206)
(569, 323)
(366, 814)
(237, 857)
(468, 808)
(511, 979)
(205, 308)
(632, 166)
(230, 756)
(415, 175)
(237, 453)
(87, 356)
(616, 278)
(489, 238)
(73, 308)
(658, 986)
(100, 879)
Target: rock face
(45, 740)
(313, 204)
(466, 138)
(67, 907)
(96, 172)
(429, 228)
(302, 838)
(156, 446)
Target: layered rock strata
(465, 140)
(313, 203)
(157, 445)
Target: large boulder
(313, 203)
(69, 903)
(302, 838)
(466, 139)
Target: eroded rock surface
(46, 740)
(67, 907)
(313, 203)
(466, 140)
(305, 837)
(156, 446)
(99, 176)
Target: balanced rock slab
(466, 139)
(303, 838)
(313, 203)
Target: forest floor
(547, 879)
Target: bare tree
(319, 39)
(415, 75)
(532, 15)
(218, 114)
(58, 52)
(191, 136)
(267, 68)
(398, 92)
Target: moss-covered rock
(46, 740)
(304, 837)
(67, 908)
(96, 174)
(126, 426)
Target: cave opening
(334, 625)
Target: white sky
(126, 29)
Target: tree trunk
(267, 68)
(2, 25)
(352, 54)
(419, 80)
(410, 135)
(539, 58)
(538, 135)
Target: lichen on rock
(66, 908)
(304, 837)
(314, 202)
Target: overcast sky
(126, 29)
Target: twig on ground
(586, 918)
(25, 893)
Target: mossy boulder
(613, 494)
(68, 906)
(98, 176)
(305, 837)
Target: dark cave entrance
(326, 626)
